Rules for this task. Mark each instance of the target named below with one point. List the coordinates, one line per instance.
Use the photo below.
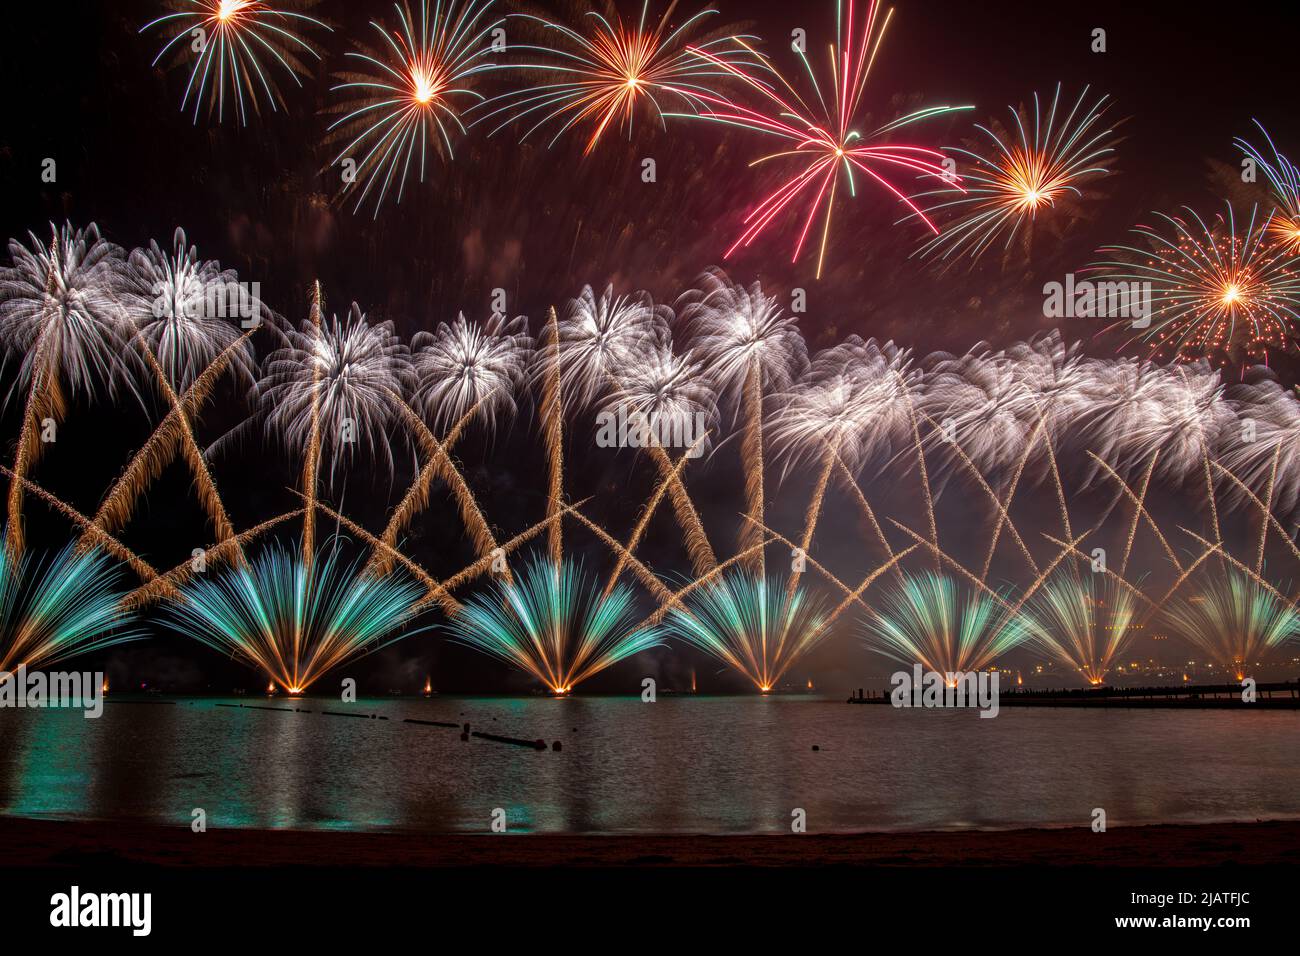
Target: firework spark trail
(1005, 191)
(311, 466)
(1251, 496)
(1139, 504)
(1217, 293)
(678, 597)
(553, 434)
(93, 535)
(658, 389)
(554, 624)
(166, 584)
(50, 611)
(407, 96)
(439, 463)
(751, 452)
(1002, 506)
(666, 482)
(158, 451)
(626, 559)
(1140, 498)
(746, 341)
(850, 405)
(696, 539)
(1268, 509)
(825, 141)
(855, 596)
(851, 483)
(606, 75)
(993, 496)
(378, 546)
(293, 619)
(232, 34)
(1132, 589)
(482, 565)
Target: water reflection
(697, 764)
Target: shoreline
(30, 843)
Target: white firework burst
(463, 364)
(60, 310)
(189, 311)
(854, 401)
(352, 371)
(602, 337)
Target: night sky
(541, 223)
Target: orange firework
(1210, 290)
(604, 77)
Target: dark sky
(542, 222)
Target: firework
(605, 73)
(1235, 620)
(239, 47)
(853, 402)
(466, 365)
(184, 307)
(1017, 183)
(555, 623)
(748, 345)
(1272, 457)
(931, 619)
(1083, 621)
(60, 310)
(334, 384)
(1284, 180)
(670, 396)
(1134, 410)
(601, 339)
(1217, 290)
(823, 140)
(408, 93)
(751, 623)
(295, 619)
(982, 407)
(52, 610)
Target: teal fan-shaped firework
(295, 619)
(1085, 621)
(556, 623)
(52, 610)
(930, 619)
(752, 623)
(1235, 619)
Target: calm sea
(681, 765)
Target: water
(684, 765)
